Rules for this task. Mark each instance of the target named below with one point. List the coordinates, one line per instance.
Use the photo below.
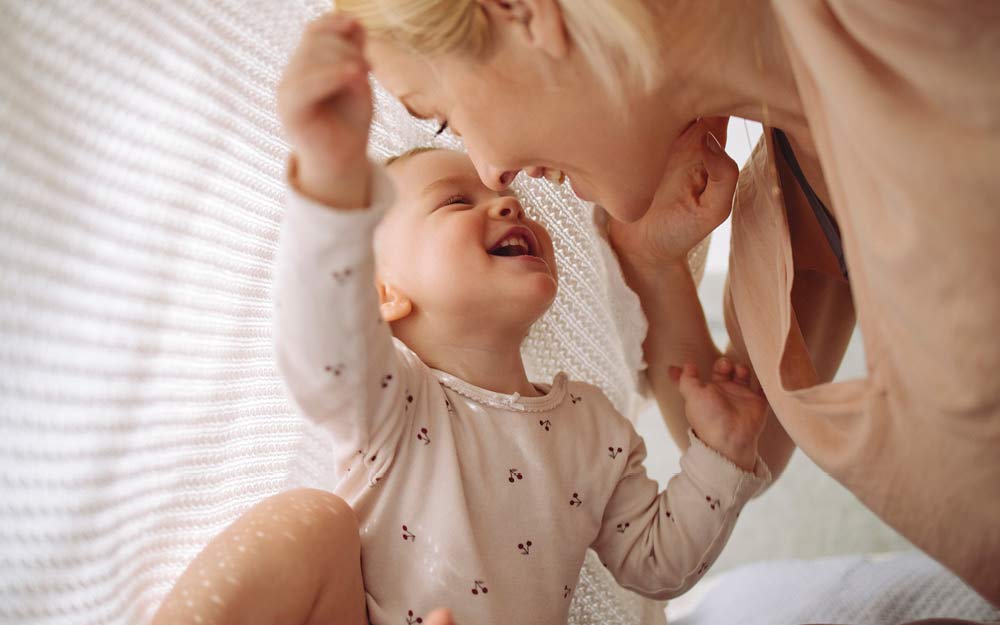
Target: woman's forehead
(406, 75)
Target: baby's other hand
(325, 106)
(725, 412)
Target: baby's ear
(393, 304)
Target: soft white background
(806, 513)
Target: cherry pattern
(622, 527)
(575, 398)
(410, 620)
(702, 568)
(545, 424)
(514, 474)
(525, 547)
(336, 370)
(386, 379)
(341, 276)
(671, 517)
(409, 401)
(408, 535)
(448, 406)
(613, 452)
(576, 501)
(423, 436)
(566, 591)
(714, 504)
(480, 586)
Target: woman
(876, 201)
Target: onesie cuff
(715, 473)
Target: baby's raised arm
(334, 352)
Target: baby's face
(460, 251)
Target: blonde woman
(873, 198)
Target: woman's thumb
(722, 174)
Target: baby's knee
(315, 517)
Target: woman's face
(524, 109)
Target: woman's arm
(678, 333)
(695, 197)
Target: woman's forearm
(678, 333)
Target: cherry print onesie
(474, 500)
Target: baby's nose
(507, 208)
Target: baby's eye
(444, 126)
(456, 200)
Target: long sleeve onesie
(481, 502)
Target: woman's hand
(695, 196)
(325, 106)
(725, 413)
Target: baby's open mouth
(517, 241)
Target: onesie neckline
(554, 393)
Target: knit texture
(142, 185)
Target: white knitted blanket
(141, 186)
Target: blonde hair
(611, 34)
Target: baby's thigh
(330, 546)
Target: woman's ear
(542, 21)
(393, 305)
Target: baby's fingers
(340, 23)
(742, 375)
(318, 85)
(689, 382)
(722, 370)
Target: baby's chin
(519, 305)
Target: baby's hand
(725, 413)
(325, 106)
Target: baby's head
(453, 255)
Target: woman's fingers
(723, 174)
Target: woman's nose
(494, 178)
(506, 208)
(497, 179)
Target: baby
(459, 483)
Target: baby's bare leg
(294, 559)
